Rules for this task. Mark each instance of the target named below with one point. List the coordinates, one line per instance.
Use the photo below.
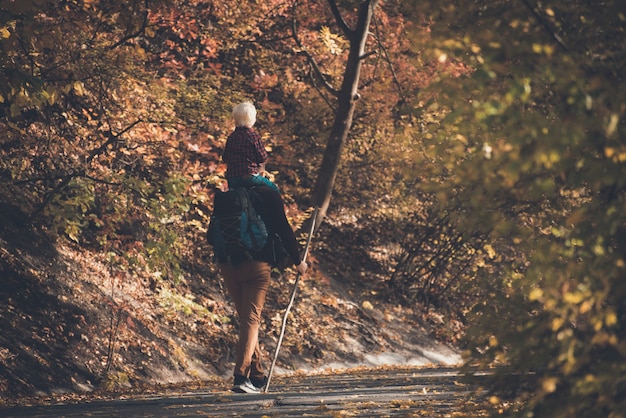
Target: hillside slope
(68, 326)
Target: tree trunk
(348, 95)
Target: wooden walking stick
(293, 297)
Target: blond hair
(244, 114)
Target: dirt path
(423, 392)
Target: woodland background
(479, 195)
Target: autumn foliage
(482, 179)
(535, 156)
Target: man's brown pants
(247, 285)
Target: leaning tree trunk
(347, 97)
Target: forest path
(406, 392)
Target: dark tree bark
(347, 97)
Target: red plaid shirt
(244, 152)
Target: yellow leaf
(462, 138)
(79, 88)
(598, 249)
(535, 294)
(611, 319)
(612, 126)
(493, 341)
(574, 298)
(14, 109)
(597, 325)
(557, 323)
(601, 338)
(585, 307)
(4, 33)
(333, 42)
(490, 251)
(549, 384)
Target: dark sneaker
(244, 386)
(259, 382)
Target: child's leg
(257, 179)
(260, 180)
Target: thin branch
(321, 93)
(367, 55)
(546, 25)
(139, 31)
(387, 59)
(112, 138)
(302, 51)
(342, 23)
(320, 75)
(80, 173)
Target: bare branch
(321, 93)
(302, 51)
(342, 23)
(546, 25)
(367, 54)
(320, 75)
(112, 138)
(139, 31)
(387, 59)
